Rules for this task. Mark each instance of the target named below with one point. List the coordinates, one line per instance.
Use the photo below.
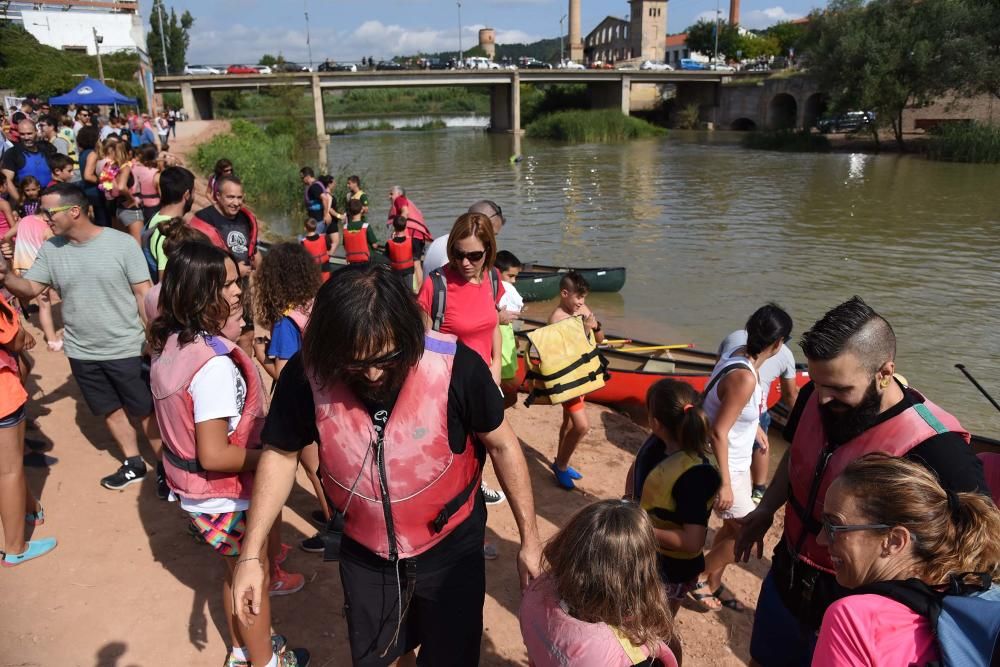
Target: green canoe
(609, 279)
(538, 287)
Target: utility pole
(163, 40)
(305, 5)
(562, 57)
(97, 46)
(715, 59)
(459, 3)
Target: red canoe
(633, 373)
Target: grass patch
(436, 124)
(965, 142)
(26, 66)
(605, 125)
(538, 101)
(801, 141)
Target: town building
(639, 36)
(70, 26)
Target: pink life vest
(170, 379)
(806, 466)
(403, 492)
(554, 638)
(144, 184)
(300, 317)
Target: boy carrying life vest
(359, 238)
(317, 246)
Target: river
(709, 231)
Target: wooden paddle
(650, 348)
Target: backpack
(440, 294)
(965, 618)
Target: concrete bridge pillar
(612, 95)
(322, 140)
(197, 103)
(505, 106)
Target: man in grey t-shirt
(102, 278)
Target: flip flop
(731, 603)
(700, 598)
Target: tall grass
(605, 125)
(965, 142)
(802, 141)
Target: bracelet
(247, 560)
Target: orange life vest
(813, 464)
(321, 255)
(356, 245)
(402, 490)
(401, 252)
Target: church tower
(648, 29)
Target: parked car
(626, 66)
(850, 121)
(756, 67)
(656, 67)
(689, 64)
(200, 70)
(436, 63)
(599, 64)
(241, 69)
(569, 64)
(532, 63)
(721, 67)
(479, 62)
(263, 69)
(288, 66)
(389, 66)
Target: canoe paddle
(616, 341)
(977, 385)
(651, 348)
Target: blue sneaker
(563, 478)
(35, 549)
(573, 472)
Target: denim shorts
(14, 418)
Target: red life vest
(321, 255)
(170, 379)
(209, 230)
(554, 638)
(415, 224)
(404, 491)
(806, 465)
(356, 245)
(401, 252)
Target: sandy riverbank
(127, 587)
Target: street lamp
(97, 46)
(561, 33)
(718, 14)
(305, 5)
(163, 40)
(459, 3)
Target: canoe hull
(539, 286)
(603, 279)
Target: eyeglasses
(473, 257)
(496, 208)
(46, 213)
(382, 361)
(833, 529)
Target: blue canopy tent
(92, 91)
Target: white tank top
(744, 430)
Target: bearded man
(853, 405)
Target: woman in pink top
(889, 519)
(471, 301)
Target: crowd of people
(391, 376)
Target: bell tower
(648, 29)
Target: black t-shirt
(314, 193)
(692, 492)
(475, 405)
(235, 232)
(13, 158)
(947, 454)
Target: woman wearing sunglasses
(887, 519)
(461, 297)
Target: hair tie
(688, 406)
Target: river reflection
(709, 231)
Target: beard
(846, 423)
(381, 393)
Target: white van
(479, 62)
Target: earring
(884, 383)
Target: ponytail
(766, 326)
(678, 407)
(953, 533)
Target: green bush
(604, 125)
(537, 102)
(801, 141)
(689, 118)
(965, 142)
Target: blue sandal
(35, 549)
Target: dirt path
(127, 587)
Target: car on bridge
(528, 62)
(851, 121)
(289, 66)
(689, 64)
(200, 70)
(569, 64)
(655, 66)
(721, 67)
(241, 69)
(263, 69)
(389, 66)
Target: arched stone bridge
(782, 103)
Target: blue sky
(228, 31)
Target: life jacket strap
(187, 465)
(456, 503)
(584, 358)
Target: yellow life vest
(658, 498)
(70, 137)
(563, 362)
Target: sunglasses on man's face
(473, 257)
(380, 362)
(498, 212)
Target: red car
(241, 69)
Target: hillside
(29, 67)
(544, 49)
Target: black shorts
(444, 618)
(109, 385)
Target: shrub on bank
(801, 141)
(604, 125)
(266, 162)
(965, 142)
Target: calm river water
(709, 231)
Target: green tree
(755, 46)
(268, 60)
(175, 34)
(701, 38)
(789, 36)
(981, 66)
(887, 55)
